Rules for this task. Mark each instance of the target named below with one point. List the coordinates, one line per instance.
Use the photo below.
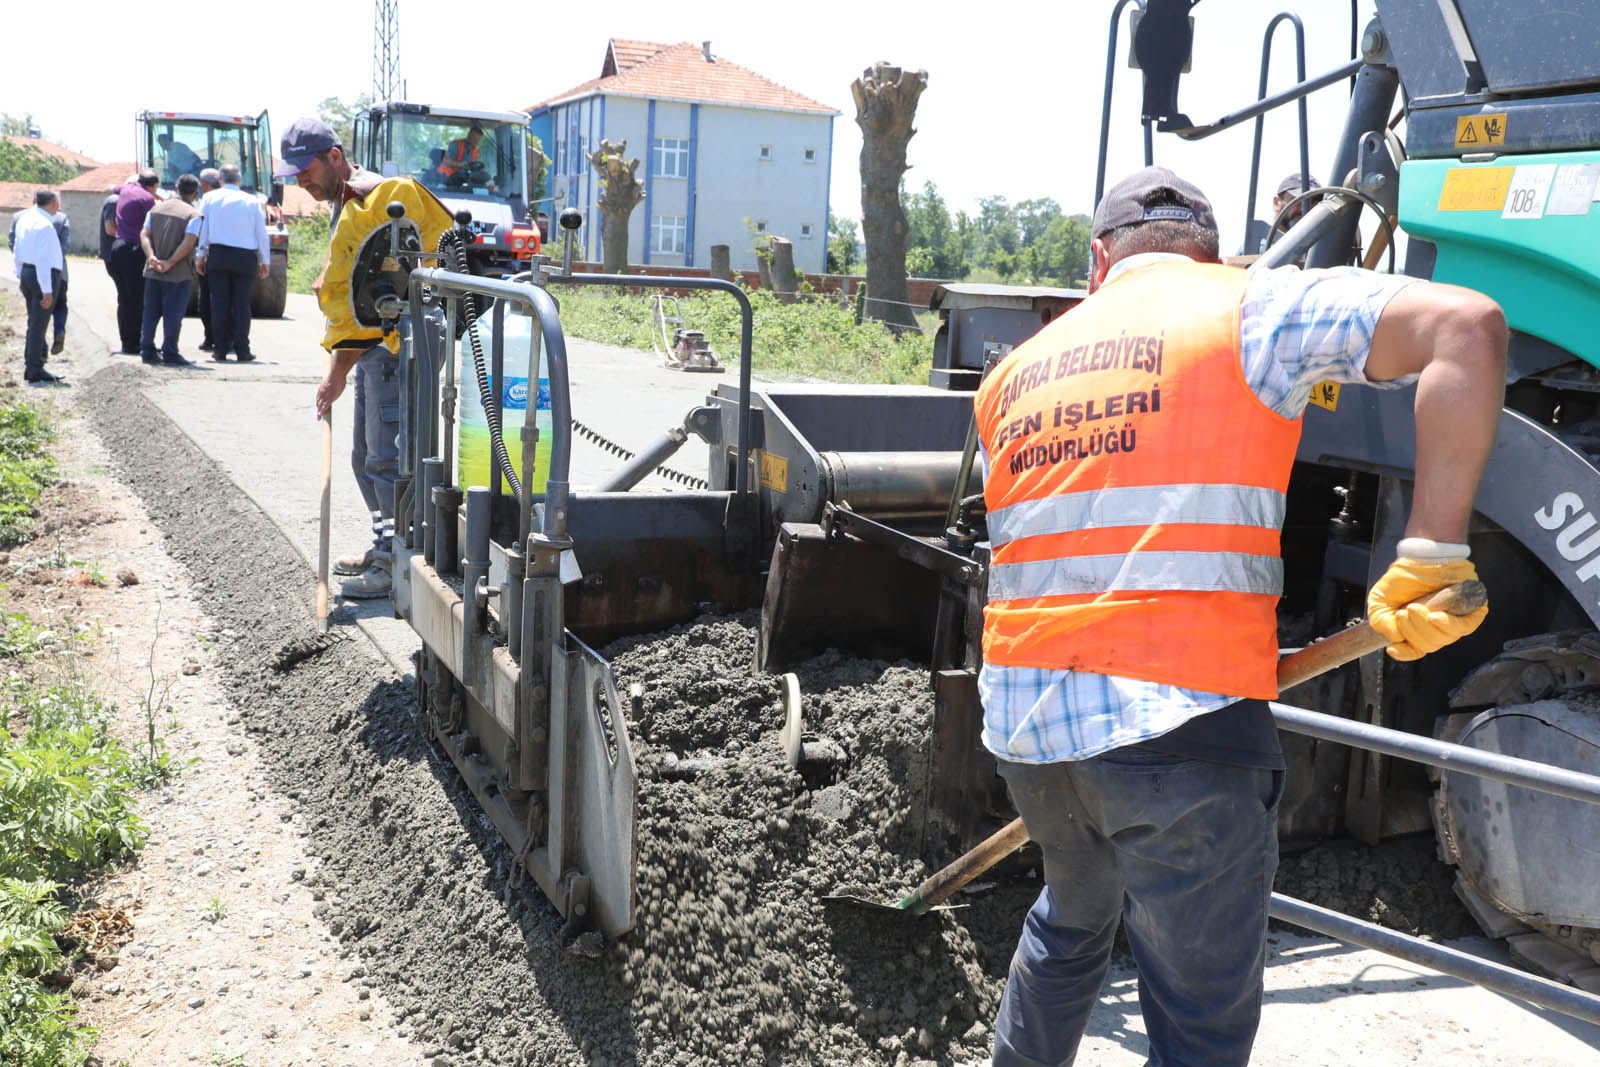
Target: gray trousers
(1182, 854)
(375, 449)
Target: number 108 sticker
(1530, 186)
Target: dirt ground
(318, 889)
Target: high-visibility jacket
(1136, 490)
(457, 154)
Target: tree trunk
(720, 263)
(886, 103)
(782, 269)
(620, 193)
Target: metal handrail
(1261, 94)
(1105, 104)
(1529, 774)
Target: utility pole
(386, 83)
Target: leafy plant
(38, 1028)
(25, 469)
(30, 915)
(64, 803)
(308, 248)
(21, 636)
(215, 910)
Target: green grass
(811, 339)
(308, 247)
(25, 468)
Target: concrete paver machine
(853, 516)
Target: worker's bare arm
(1455, 340)
(331, 386)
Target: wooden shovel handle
(1463, 598)
(992, 850)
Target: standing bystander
(171, 231)
(108, 230)
(210, 181)
(233, 253)
(37, 260)
(58, 309)
(134, 201)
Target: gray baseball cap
(1293, 186)
(301, 142)
(1125, 202)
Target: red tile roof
(14, 196)
(103, 178)
(50, 148)
(620, 55)
(681, 72)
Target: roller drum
(894, 483)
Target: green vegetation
(308, 247)
(1029, 242)
(25, 163)
(813, 338)
(25, 469)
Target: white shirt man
(37, 260)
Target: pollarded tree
(620, 193)
(886, 103)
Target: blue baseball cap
(300, 144)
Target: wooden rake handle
(1463, 598)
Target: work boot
(370, 584)
(353, 563)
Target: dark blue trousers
(165, 302)
(232, 271)
(34, 346)
(1182, 853)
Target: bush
(25, 469)
(308, 247)
(812, 339)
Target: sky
(1012, 106)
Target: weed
(221, 1057)
(22, 636)
(153, 764)
(39, 1028)
(25, 469)
(215, 911)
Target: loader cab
(435, 146)
(174, 143)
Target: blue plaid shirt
(1296, 328)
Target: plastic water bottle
(474, 445)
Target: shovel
(1463, 598)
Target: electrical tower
(386, 84)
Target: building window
(765, 153)
(805, 229)
(811, 155)
(761, 226)
(667, 233)
(671, 157)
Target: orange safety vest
(1136, 489)
(455, 155)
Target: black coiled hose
(451, 242)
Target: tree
(620, 192)
(25, 163)
(342, 116)
(886, 103)
(17, 126)
(841, 244)
(933, 231)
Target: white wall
(733, 183)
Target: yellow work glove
(1410, 628)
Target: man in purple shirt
(134, 201)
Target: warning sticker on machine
(774, 472)
(1574, 189)
(1326, 395)
(1476, 189)
(1530, 185)
(1477, 132)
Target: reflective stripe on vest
(1156, 558)
(1235, 505)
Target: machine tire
(269, 295)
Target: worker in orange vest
(1139, 450)
(461, 153)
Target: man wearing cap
(313, 156)
(1291, 187)
(1139, 450)
(234, 252)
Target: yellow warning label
(1476, 189)
(1325, 395)
(1477, 132)
(774, 472)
